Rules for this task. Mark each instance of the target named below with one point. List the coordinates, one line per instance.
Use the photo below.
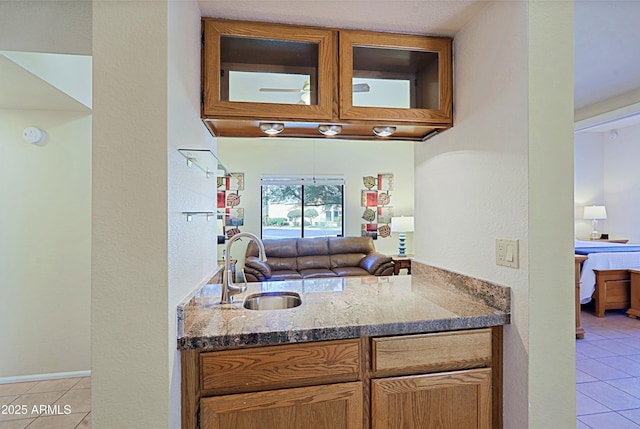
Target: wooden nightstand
(634, 295)
(609, 240)
(400, 262)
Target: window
(294, 207)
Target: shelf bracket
(190, 215)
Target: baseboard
(40, 377)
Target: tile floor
(63, 403)
(608, 372)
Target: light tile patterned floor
(50, 404)
(608, 372)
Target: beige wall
(551, 315)
(146, 256)
(351, 159)
(504, 170)
(45, 248)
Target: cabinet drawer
(271, 367)
(432, 352)
(332, 406)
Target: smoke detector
(34, 135)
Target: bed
(604, 274)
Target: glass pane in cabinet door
(373, 92)
(396, 78)
(268, 71)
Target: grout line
(615, 328)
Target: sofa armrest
(376, 263)
(256, 270)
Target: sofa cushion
(312, 262)
(284, 275)
(256, 268)
(282, 248)
(350, 271)
(317, 273)
(376, 263)
(346, 260)
(313, 246)
(282, 264)
(351, 245)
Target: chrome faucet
(228, 286)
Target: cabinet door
(395, 77)
(270, 71)
(452, 400)
(334, 406)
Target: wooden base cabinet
(334, 406)
(444, 380)
(455, 400)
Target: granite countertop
(430, 300)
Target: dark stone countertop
(430, 300)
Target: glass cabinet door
(395, 77)
(261, 69)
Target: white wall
(490, 176)
(622, 184)
(606, 174)
(352, 159)
(45, 248)
(146, 257)
(588, 180)
(192, 245)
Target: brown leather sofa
(309, 258)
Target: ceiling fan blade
(361, 87)
(279, 90)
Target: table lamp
(402, 225)
(594, 213)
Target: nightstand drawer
(432, 352)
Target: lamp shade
(402, 224)
(595, 212)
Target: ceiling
(607, 32)
(606, 50)
(433, 17)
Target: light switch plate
(507, 253)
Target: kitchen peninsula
(359, 352)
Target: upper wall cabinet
(267, 70)
(395, 77)
(297, 81)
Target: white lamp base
(595, 234)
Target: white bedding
(602, 261)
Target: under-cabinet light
(385, 131)
(271, 128)
(330, 130)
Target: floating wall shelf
(205, 160)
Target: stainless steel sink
(272, 301)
